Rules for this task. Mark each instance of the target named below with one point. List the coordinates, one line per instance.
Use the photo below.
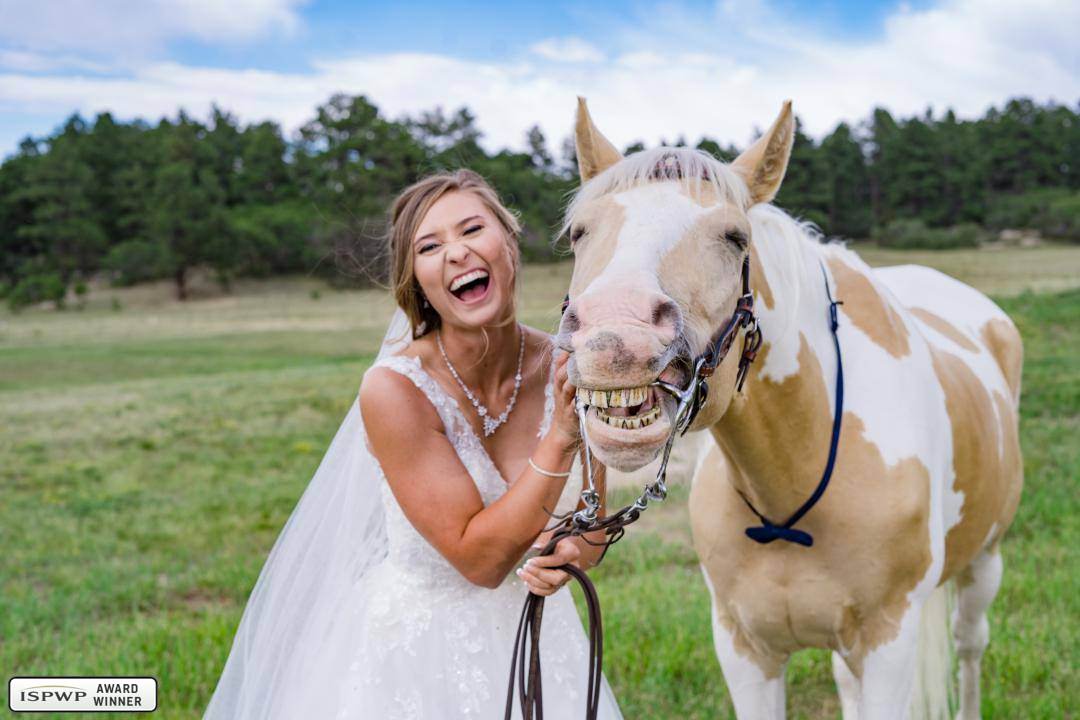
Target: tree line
(135, 202)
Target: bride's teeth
(467, 278)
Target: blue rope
(768, 531)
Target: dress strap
(447, 407)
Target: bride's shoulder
(392, 385)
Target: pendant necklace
(490, 424)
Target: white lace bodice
(407, 548)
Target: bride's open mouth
(471, 287)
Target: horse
(882, 405)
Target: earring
(426, 305)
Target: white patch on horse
(969, 311)
(753, 694)
(657, 218)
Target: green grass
(149, 457)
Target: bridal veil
(280, 664)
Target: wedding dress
(356, 617)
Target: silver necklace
(490, 424)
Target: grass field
(150, 453)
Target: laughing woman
(392, 590)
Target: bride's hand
(565, 416)
(539, 573)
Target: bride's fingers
(542, 581)
(566, 551)
(547, 575)
(542, 567)
(535, 584)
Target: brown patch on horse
(1003, 340)
(946, 328)
(604, 219)
(701, 271)
(986, 460)
(1012, 463)
(871, 528)
(868, 310)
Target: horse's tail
(935, 691)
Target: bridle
(689, 401)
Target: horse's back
(958, 316)
(977, 354)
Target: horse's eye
(576, 233)
(737, 237)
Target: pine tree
(63, 229)
(187, 209)
(847, 184)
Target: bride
(392, 590)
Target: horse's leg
(976, 587)
(847, 685)
(755, 682)
(888, 673)
(756, 695)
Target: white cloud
(567, 49)
(731, 74)
(130, 29)
(24, 61)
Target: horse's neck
(776, 433)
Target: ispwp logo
(82, 694)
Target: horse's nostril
(665, 313)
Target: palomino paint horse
(927, 474)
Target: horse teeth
(623, 397)
(629, 422)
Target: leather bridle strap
(720, 344)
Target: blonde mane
(693, 169)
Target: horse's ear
(762, 164)
(595, 153)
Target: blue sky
(481, 30)
(651, 70)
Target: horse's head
(659, 238)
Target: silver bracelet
(548, 473)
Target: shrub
(273, 239)
(912, 234)
(1055, 212)
(136, 261)
(1062, 219)
(40, 287)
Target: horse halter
(692, 398)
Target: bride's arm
(436, 492)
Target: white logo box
(82, 694)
